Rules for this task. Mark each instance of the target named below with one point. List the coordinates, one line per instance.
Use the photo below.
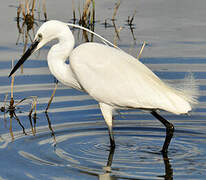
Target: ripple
(84, 147)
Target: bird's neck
(62, 50)
(57, 57)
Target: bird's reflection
(108, 168)
(168, 168)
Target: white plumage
(115, 78)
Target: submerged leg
(107, 113)
(169, 130)
(111, 137)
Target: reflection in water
(25, 23)
(32, 120)
(80, 148)
(11, 110)
(11, 116)
(131, 25)
(107, 175)
(83, 146)
(168, 168)
(51, 129)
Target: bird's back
(114, 77)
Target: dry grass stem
(27, 6)
(33, 6)
(11, 106)
(116, 30)
(116, 36)
(87, 17)
(52, 96)
(34, 98)
(79, 12)
(12, 81)
(115, 10)
(4, 109)
(85, 35)
(19, 9)
(140, 53)
(23, 10)
(73, 11)
(44, 9)
(35, 104)
(93, 13)
(86, 11)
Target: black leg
(107, 113)
(110, 157)
(111, 137)
(169, 130)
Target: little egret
(112, 77)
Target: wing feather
(114, 77)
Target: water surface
(76, 145)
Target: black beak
(25, 56)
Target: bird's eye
(40, 37)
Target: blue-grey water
(76, 144)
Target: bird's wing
(118, 79)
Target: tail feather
(188, 89)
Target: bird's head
(48, 31)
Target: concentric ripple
(84, 147)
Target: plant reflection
(131, 25)
(51, 129)
(11, 110)
(25, 23)
(34, 117)
(12, 107)
(12, 115)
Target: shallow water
(76, 145)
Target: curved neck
(65, 46)
(57, 56)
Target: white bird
(112, 77)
